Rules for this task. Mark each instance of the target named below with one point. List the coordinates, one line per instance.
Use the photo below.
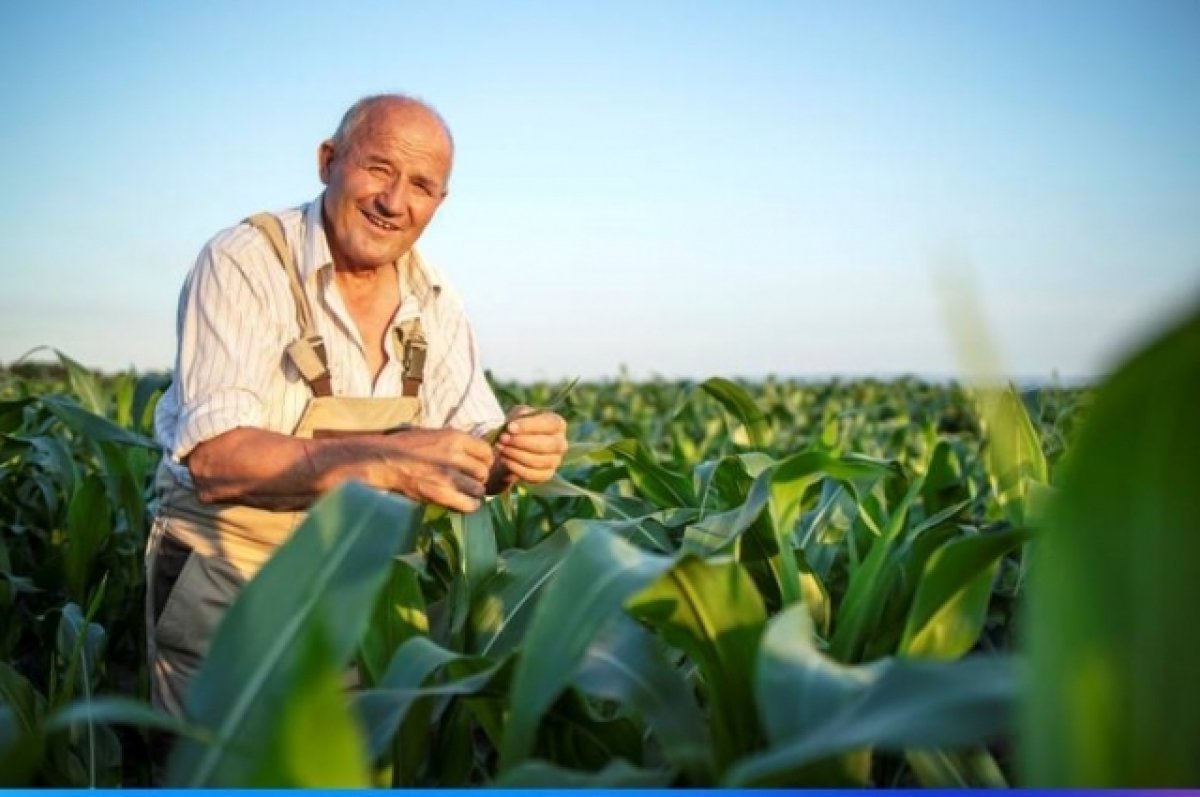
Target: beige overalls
(199, 555)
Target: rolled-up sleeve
(228, 349)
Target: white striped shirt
(237, 316)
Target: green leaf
(475, 543)
(721, 530)
(626, 664)
(88, 526)
(479, 547)
(1013, 454)
(505, 602)
(399, 615)
(80, 645)
(92, 427)
(126, 471)
(604, 504)
(596, 577)
(22, 712)
(712, 611)
(398, 713)
(1113, 695)
(54, 457)
(951, 603)
(660, 485)
(149, 389)
(116, 710)
(330, 572)
(317, 741)
(385, 707)
(945, 481)
(646, 532)
(738, 403)
(575, 735)
(85, 385)
(552, 404)
(870, 586)
(20, 750)
(813, 707)
(790, 479)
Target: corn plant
(728, 584)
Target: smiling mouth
(380, 223)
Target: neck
(363, 279)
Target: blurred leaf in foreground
(1115, 696)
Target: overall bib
(199, 555)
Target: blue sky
(677, 188)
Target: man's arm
(259, 468)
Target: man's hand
(438, 466)
(530, 448)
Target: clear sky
(679, 188)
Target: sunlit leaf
(951, 602)
(712, 611)
(328, 572)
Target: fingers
(473, 447)
(544, 433)
(542, 423)
(447, 487)
(530, 459)
(455, 492)
(472, 457)
(532, 447)
(530, 475)
(532, 444)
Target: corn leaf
(328, 572)
(1113, 696)
(712, 611)
(738, 403)
(317, 742)
(627, 664)
(597, 575)
(951, 602)
(814, 707)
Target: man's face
(383, 185)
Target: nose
(391, 199)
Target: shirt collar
(315, 255)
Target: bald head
(370, 108)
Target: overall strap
(410, 338)
(306, 352)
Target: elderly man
(317, 346)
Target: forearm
(274, 471)
(265, 469)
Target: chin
(374, 256)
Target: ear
(325, 154)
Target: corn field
(728, 584)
